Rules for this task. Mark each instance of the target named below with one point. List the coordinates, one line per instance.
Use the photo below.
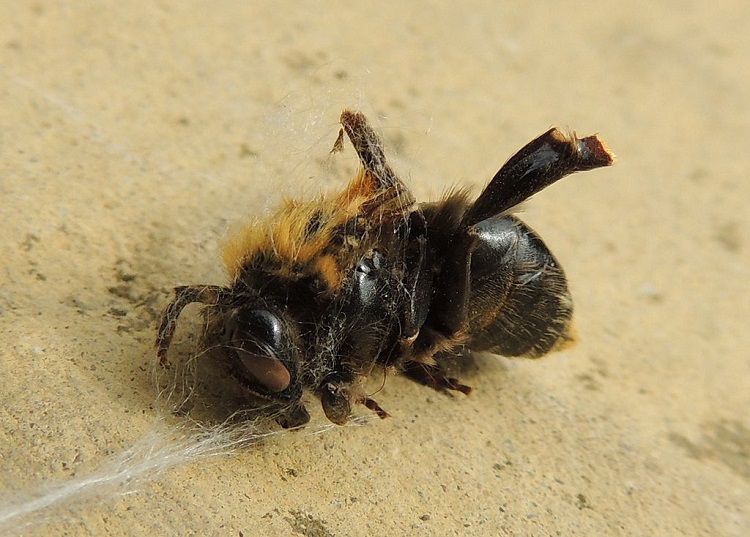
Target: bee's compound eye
(263, 326)
(267, 370)
(260, 340)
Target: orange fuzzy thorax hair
(286, 234)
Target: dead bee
(329, 289)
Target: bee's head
(261, 345)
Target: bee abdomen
(520, 303)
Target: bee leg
(418, 282)
(433, 377)
(205, 294)
(369, 148)
(380, 181)
(541, 162)
(375, 407)
(447, 321)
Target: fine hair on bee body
(327, 290)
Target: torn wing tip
(594, 152)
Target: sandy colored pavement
(132, 135)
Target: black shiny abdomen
(520, 304)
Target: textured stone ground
(133, 134)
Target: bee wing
(541, 162)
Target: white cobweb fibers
(204, 428)
(296, 131)
(164, 447)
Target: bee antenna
(382, 384)
(205, 294)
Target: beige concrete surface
(134, 134)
